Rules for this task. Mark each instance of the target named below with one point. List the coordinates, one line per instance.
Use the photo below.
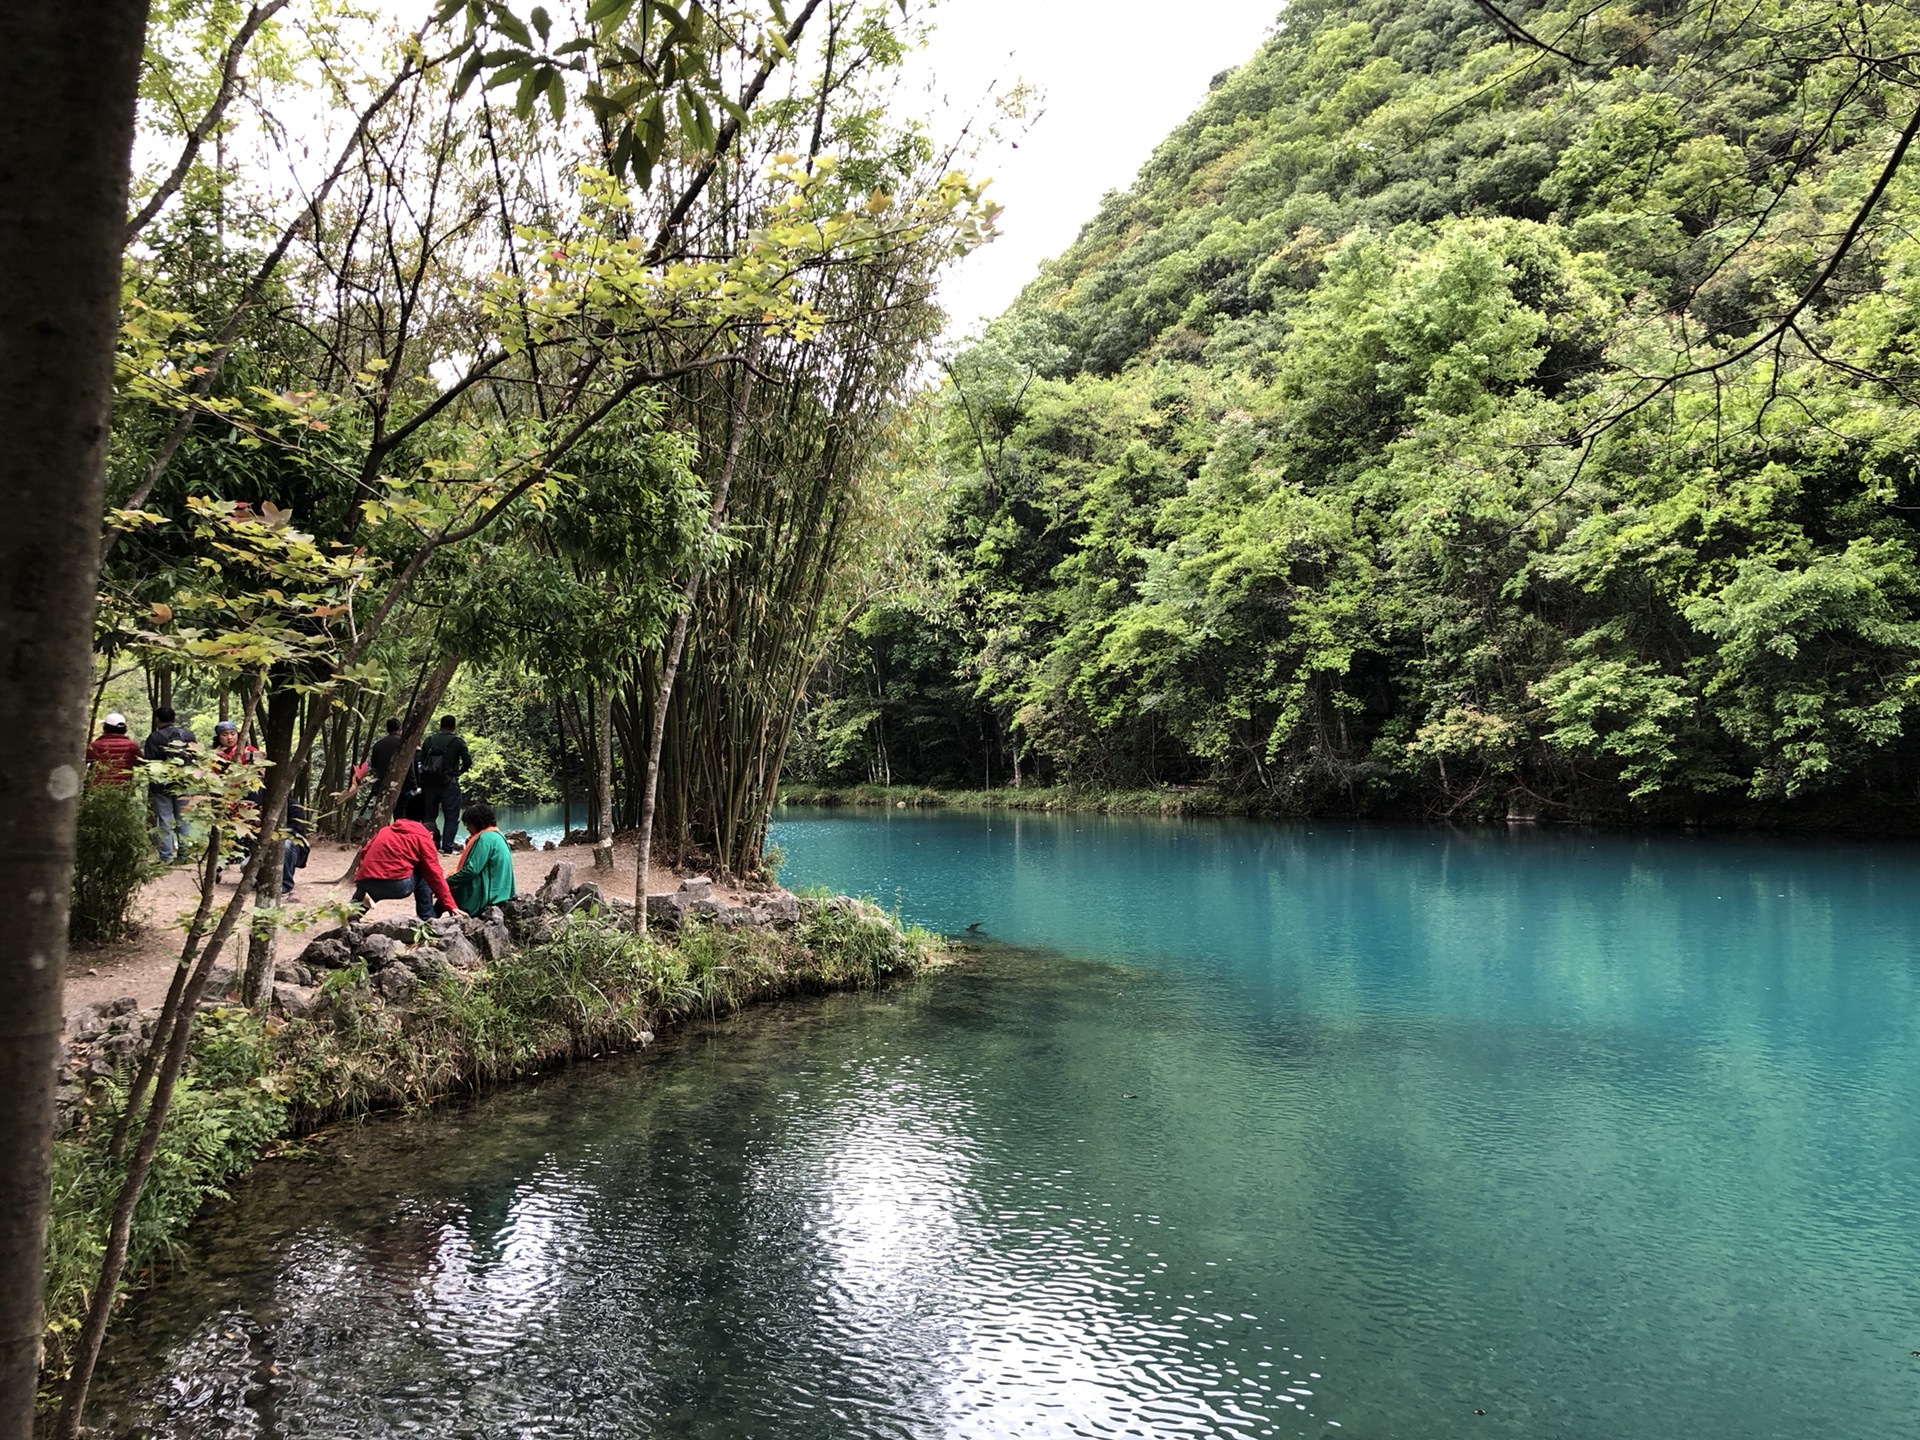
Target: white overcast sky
(1116, 76)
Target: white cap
(114, 717)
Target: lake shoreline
(579, 989)
(1835, 816)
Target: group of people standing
(442, 759)
(113, 758)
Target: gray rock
(327, 953)
(427, 962)
(401, 932)
(558, 886)
(397, 983)
(461, 952)
(123, 1046)
(221, 982)
(376, 950)
(777, 910)
(293, 973)
(124, 1005)
(547, 846)
(696, 887)
(495, 941)
(520, 840)
(296, 1002)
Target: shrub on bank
(113, 857)
(1164, 802)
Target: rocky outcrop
(696, 899)
(518, 840)
(103, 1037)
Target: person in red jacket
(402, 859)
(113, 756)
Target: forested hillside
(1465, 413)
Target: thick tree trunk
(603, 726)
(68, 73)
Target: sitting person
(485, 874)
(401, 859)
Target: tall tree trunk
(283, 714)
(603, 726)
(670, 664)
(68, 73)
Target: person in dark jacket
(113, 754)
(169, 742)
(382, 754)
(443, 759)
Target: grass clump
(589, 987)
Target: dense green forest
(1465, 413)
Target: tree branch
(229, 77)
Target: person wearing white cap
(112, 757)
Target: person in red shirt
(402, 859)
(113, 756)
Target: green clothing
(486, 877)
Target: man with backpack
(442, 760)
(169, 742)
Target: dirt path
(143, 965)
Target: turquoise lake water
(1226, 1129)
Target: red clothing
(401, 849)
(113, 758)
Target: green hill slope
(1449, 423)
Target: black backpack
(431, 768)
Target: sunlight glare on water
(1233, 1130)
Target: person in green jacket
(485, 874)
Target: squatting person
(401, 859)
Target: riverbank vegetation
(592, 989)
(1169, 801)
(1457, 418)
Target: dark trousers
(443, 817)
(414, 885)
